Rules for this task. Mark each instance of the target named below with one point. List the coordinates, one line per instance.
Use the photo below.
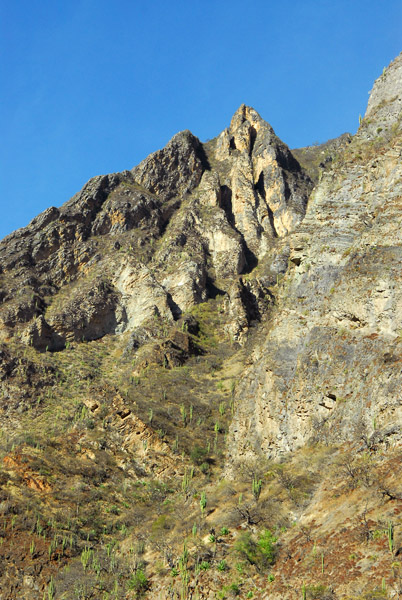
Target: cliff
(201, 370)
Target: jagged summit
(207, 349)
(384, 109)
(249, 116)
(387, 89)
(175, 170)
(255, 192)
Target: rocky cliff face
(228, 309)
(330, 364)
(154, 241)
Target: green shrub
(204, 468)
(319, 592)
(229, 591)
(261, 552)
(138, 582)
(247, 548)
(234, 589)
(266, 545)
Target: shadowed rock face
(155, 241)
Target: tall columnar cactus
(203, 503)
(256, 488)
(390, 535)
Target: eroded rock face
(142, 297)
(185, 223)
(330, 364)
(207, 284)
(266, 188)
(385, 103)
(88, 315)
(175, 170)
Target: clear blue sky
(93, 86)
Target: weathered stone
(321, 370)
(175, 170)
(41, 336)
(301, 316)
(385, 104)
(214, 222)
(142, 296)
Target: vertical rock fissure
(260, 188)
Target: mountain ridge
(206, 350)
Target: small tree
(260, 553)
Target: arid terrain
(201, 373)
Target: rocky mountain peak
(387, 89)
(384, 109)
(244, 128)
(208, 348)
(193, 215)
(175, 170)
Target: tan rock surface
(330, 360)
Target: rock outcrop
(207, 349)
(329, 367)
(155, 241)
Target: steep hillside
(332, 351)
(201, 373)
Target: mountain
(201, 373)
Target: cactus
(390, 535)
(256, 488)
(183, 413)
(86, 555)
(186, 479)
(203, 503)
(185, 575)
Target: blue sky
(94, 86)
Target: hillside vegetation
(200, 373)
